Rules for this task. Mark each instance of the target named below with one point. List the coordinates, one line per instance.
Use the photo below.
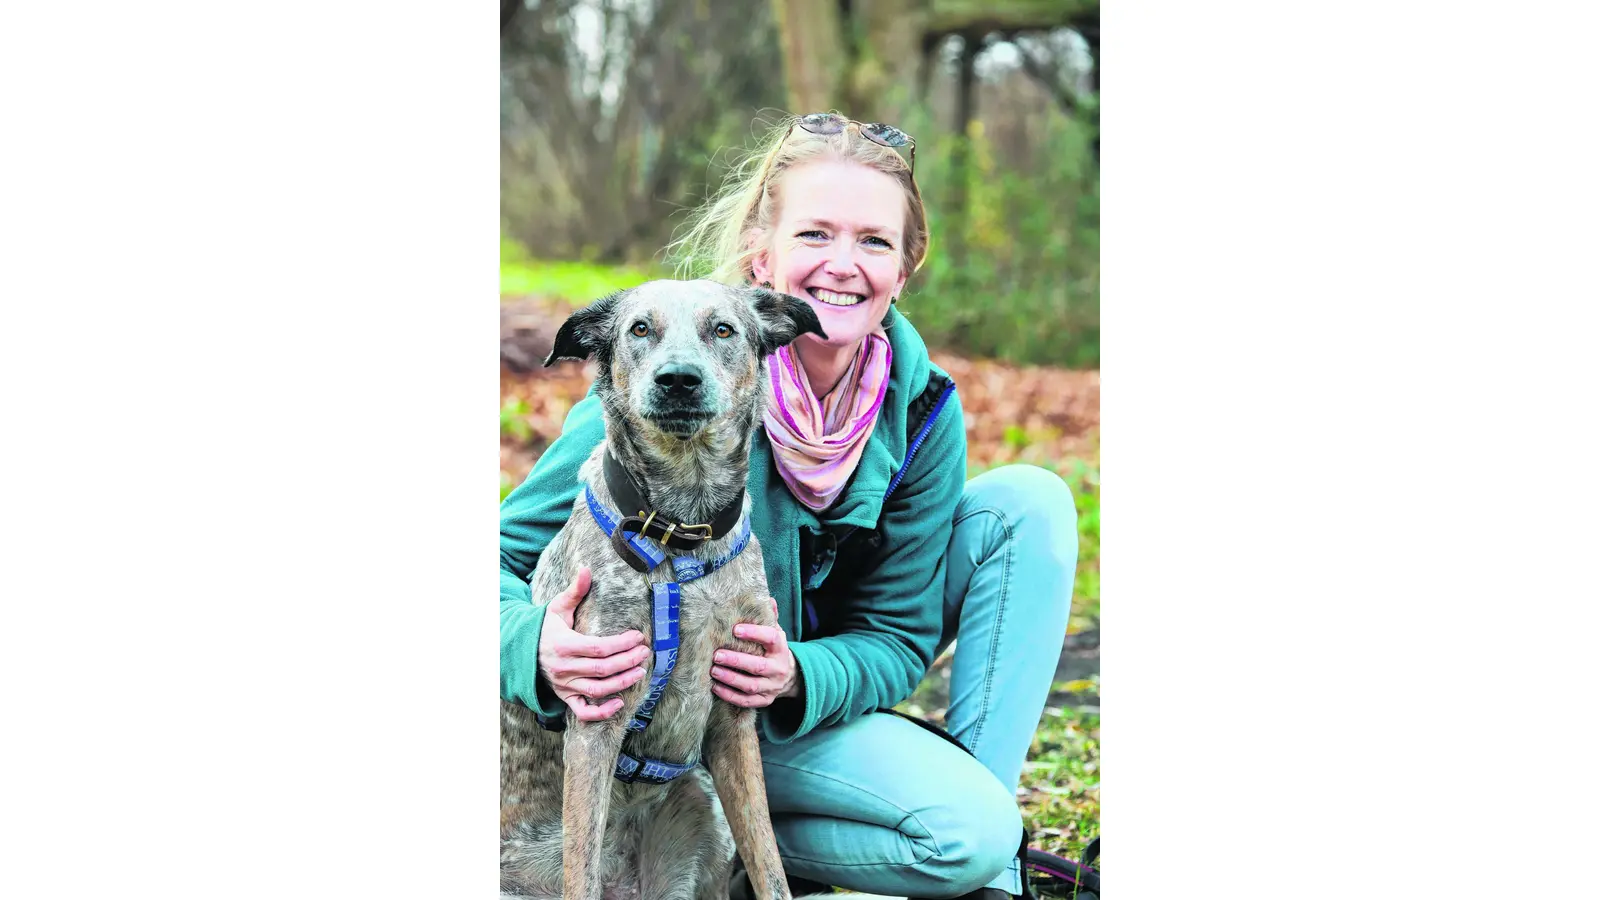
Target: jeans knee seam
(929, 844)
(999, 619)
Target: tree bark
(883, 71)
(961, 152)
(811, 34)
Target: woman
(879, 552)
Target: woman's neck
(825, 366)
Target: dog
(600, 809)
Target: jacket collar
(861, 501)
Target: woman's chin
(839, 337)
(845, 325)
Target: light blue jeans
(881, 806)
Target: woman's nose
(841, 259)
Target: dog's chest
(678, 727)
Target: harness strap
(631, 768)
(628, 537)
(666, 598)
(640, 551)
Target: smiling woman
(848, 266)
(868, 436)
(878, 551)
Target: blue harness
(665, 597)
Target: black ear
(783, 318)
(585, 331)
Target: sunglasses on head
(876, 132)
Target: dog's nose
(678, 378)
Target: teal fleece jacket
(859, 587)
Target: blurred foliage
(514, 421)
(617, 118)
(1027, 287)
(574, 282)
(1084, 478)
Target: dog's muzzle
(679, 399)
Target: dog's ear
(782, 318)
(585, 331)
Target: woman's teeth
(833, 298)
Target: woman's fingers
(587, 713)
(568, 666)
(565, 602)
(594, 688)
(744, 662)
(766, 635)
(746, 683)
(580, 644)
(739, 698)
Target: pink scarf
(817, 444)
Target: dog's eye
(640, 329)
(723, 331)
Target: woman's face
(837, 245)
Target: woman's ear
(761, 262)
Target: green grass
(1060, 789)
(576, 283)
(1084, 479)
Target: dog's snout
(678, 378)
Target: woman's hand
(751, 681)
(582, 669)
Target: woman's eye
(723, 331)
(879, 242)
(812, 235)
(640, 329)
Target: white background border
(1349, 449)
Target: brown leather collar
(640, 518)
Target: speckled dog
(680, 369)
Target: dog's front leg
(734, 758)
(590, 757)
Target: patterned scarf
(817, 444)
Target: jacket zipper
(911, 453)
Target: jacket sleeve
(888, 633)
(529, 519)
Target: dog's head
(676, 357)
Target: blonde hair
(717, 240)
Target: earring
(767, 285)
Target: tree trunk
(883, 71)
(927, 65)
(961, 153)
(812, 37)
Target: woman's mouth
(835, 298)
